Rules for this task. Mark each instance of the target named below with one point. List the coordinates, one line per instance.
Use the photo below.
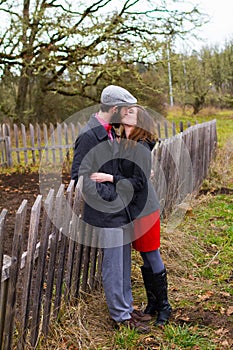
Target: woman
(137, 141)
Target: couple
(121, 205)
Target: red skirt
(147, 232)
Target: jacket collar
(97, 128)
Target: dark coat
(94, 152)
(135, 171)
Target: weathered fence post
(73, 134)
(52, 136)
(57, 217)
(165, 130)
(73, 234)
(38, 133)
(213, 138)
(46, 145)
(78, 260)
(3, 299)
(2, 286)
(13, 275)
(16, 134)
(93, 278)
(8, 151)
(159, 130)
(67, 209)
(173, 129)
(33, 232)
(44, 240)
(32, 137)
(86, 258)
(67, 151)
(59, 137)
(2, 225)
(3, 160)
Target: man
(96, 151)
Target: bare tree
(64, 46)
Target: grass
(224, 120)
(126, 338)
(213, 230)
(188, 337)
(199, 259)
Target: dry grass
(85, 325)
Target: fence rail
(52, 142)
(58, 264)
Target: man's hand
(101, 177)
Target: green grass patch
(126, 339)
(224, 121)
(211, 224)
(187, 337)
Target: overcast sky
(217, 31)
(220, 27)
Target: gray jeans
(116, 275)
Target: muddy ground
(14, 188)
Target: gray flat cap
(114, 95)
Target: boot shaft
(161, 292)
(147, 275)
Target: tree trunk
(25, 72)
(21, 97)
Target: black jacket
(135, 170)
(95, 152)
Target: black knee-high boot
(147, 275)
(160, 289)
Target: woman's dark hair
(145, 128)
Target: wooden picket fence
(26, 145)
(21, 145)
(57, 266)
(54, 268)
(181, 164)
